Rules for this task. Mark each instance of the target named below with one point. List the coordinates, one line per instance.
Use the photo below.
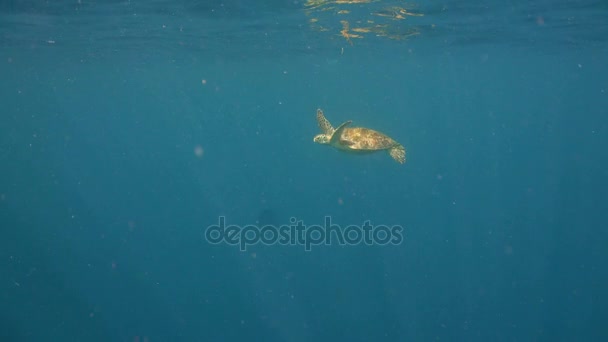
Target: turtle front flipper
(398, 153)
(335, 137)
(324, 125)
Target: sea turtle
(357, 139)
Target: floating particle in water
(199, 151)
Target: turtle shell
(365, 139)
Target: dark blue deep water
(127, 128)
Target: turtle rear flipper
(398, 153)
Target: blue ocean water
(128, 128)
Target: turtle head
(322, 139)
